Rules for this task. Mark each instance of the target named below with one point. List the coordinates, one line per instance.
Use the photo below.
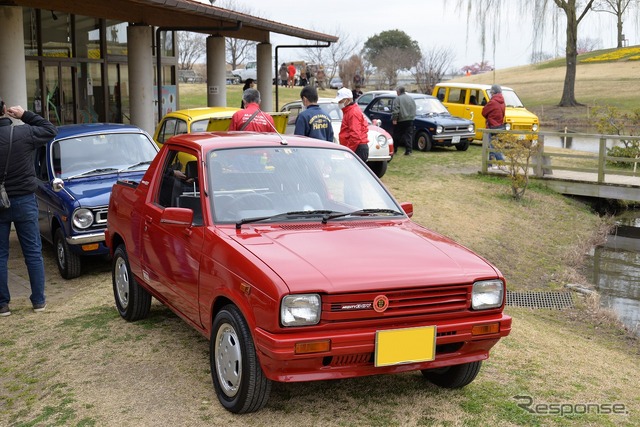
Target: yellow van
(467, 99)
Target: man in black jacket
(21, 185)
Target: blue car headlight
(82, 218)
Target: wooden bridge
(578, 172)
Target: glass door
(59, 90)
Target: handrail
(543, 162)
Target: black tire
(423, 141)
(69, 263)
(456, 376)
(238, 379)
(132, 300)
(379, 168)
(463, 146)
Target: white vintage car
(380, 141)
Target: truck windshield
(267, 181)
(511, 99)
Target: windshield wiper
(135, 165)
(286, 215)
(92, 171)
(360, 212)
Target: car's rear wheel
(69, 263)
(423, 141)
(456, 376)
(238, 379)
(132, 300)
(463, 146)
(379, 168)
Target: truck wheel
(456, 376)
(132, 300)
(379, 168)
(69, 263)
(463, 146)
(423, 141)
(238, 379)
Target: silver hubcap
(228, 356)
(61, 257)
(122, 282)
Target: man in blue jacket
(21, 184)
(312, 121)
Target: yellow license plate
(402, 346)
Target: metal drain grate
(552, 300)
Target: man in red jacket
(354, 129)
(251, 118)
(493, 112)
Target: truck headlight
(534, 127)
(470, 128)
(439, 129)
(487, 294)
(507, 126)
(300, 310)
(381, 140)
(82, 218)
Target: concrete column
(142, 93)
(216, 72)
(13, 80)
(265, 75)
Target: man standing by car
(404, 111)
(251, 118)
(354, 130)
(493, 112)
(19, 144)
(313, 122)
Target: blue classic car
(434, 126)
(76, 171)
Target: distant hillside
(610, 77)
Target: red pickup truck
(290, 255)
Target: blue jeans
(23, 212)
(495, 154)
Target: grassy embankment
(80, 364)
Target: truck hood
(351, 257)
(445, 120)
(520, 115)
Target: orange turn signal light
(313, 347)
(90, 247)
(491, 328)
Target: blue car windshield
(101, 153)
(429, 106)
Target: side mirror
(57, 184)
(177, 216)
(407, 207)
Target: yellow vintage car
(467, 99)
(209, 119)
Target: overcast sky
(432, 23)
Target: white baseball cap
(344, 93)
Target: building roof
(179, 15)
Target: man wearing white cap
(354, 129)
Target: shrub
(518, 153)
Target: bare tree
(239, 51)
(587, 44)
(352, 71)
(431, 67)
(574, 11)
(617, 8)
(331, 57)
(191, 47)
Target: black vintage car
(434, 125)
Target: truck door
(172, 252)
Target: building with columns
(82, 61)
